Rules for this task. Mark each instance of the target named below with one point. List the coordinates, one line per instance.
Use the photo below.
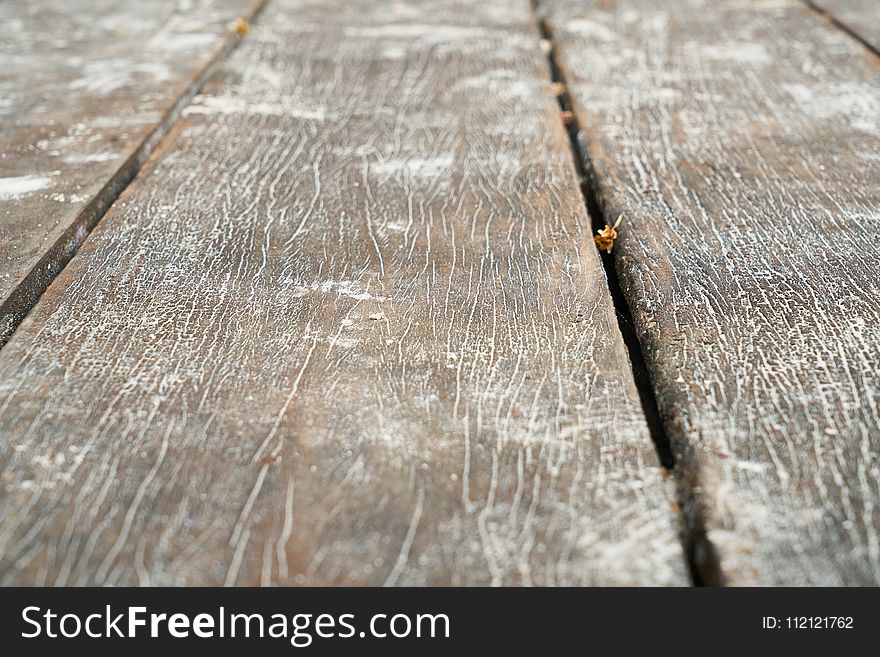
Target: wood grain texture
(862, 17)
(741, 142)
(87, 88)
(348, 328)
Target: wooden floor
(305, 292)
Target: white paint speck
(857, 103)
(590, 28)
(229, 105)
(16, 186)
(68, 198)
(429, 33)
(83, 158)
(421, 167)
(745, 52)
(504, 83)
(351, 289)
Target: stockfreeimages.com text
(299, 629)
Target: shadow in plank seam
(843, 27)
(26, 295)
(702, 560)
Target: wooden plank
(861, 17)
(349, 328)
(741, 142)
(87, 88)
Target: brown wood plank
(741, 142)
(862, 17)
(348, 328)
(87, 88)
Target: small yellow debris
(830, 431)
(605, 238)
(546, 46)
(559, 88)
(376, 316)
(240, 26)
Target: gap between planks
(310, 442)
(841, 25)
(28, 291)
(700, 444)
(702, 562)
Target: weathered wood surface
(741, 141)
(862, 17)
(86, 90)
(348, 328)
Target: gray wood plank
(862, 17)
(87, 88)
(741, 142)
(348, 328)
